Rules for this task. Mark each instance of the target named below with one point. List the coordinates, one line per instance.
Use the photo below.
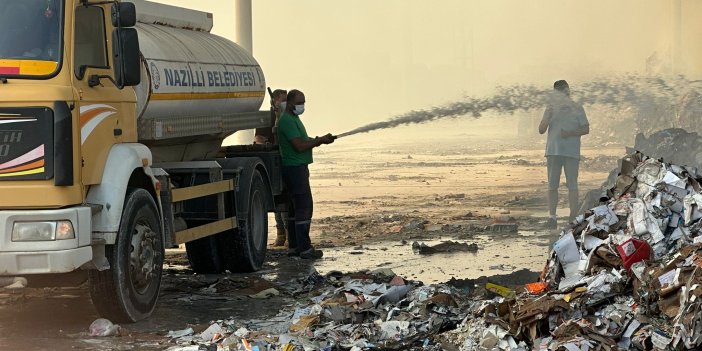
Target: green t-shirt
(290, 127)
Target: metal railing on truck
(171, 197)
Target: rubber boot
(302, 231)
(281, 237)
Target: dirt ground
(373, 201)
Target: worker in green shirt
(296, 151)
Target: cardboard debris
(372, 310)
(625, 275)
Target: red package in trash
(634, 250)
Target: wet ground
(58, 318)
(372, 204)
(490, 258)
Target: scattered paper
(671, 179)
(660, 341)
(393, 330)
(180, 333)
(591, 242)
(667, 278)
(633, 326)
(210, 332)
(567, 249)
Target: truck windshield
(30, 37)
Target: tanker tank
(196, 89)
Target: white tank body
(195, 85)
(191, 73)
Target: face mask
(299, 109)
(282, 107)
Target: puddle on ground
(506, 254)
(59, 318)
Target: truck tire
(243, 249)
(128, 291)
(204, 256)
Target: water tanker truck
(112, 120)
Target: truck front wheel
(128, 291)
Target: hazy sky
(366, 60)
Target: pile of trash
(672, 145)
(625, 275)
(360, 311)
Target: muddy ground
(373, 200)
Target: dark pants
(297, 182)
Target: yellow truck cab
(112, 118)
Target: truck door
(107, 113)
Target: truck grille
(26, 143)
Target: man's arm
(301, 145)
(543, 126)
(584, 130)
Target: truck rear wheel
(203, 255)
(128, 291)
(244, 249)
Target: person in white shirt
(566, 123)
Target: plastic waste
(500, 290)
(104, 328)
(13, 282)
(266, 294)
(394, 294)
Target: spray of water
(622, 91)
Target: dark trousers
(297, 183)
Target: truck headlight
(42, 231)
(64, 230)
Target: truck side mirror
(127, 63)
(123, 15)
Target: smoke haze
(362, 61)
(620, 92)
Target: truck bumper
(45, 257)
(64, 261)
